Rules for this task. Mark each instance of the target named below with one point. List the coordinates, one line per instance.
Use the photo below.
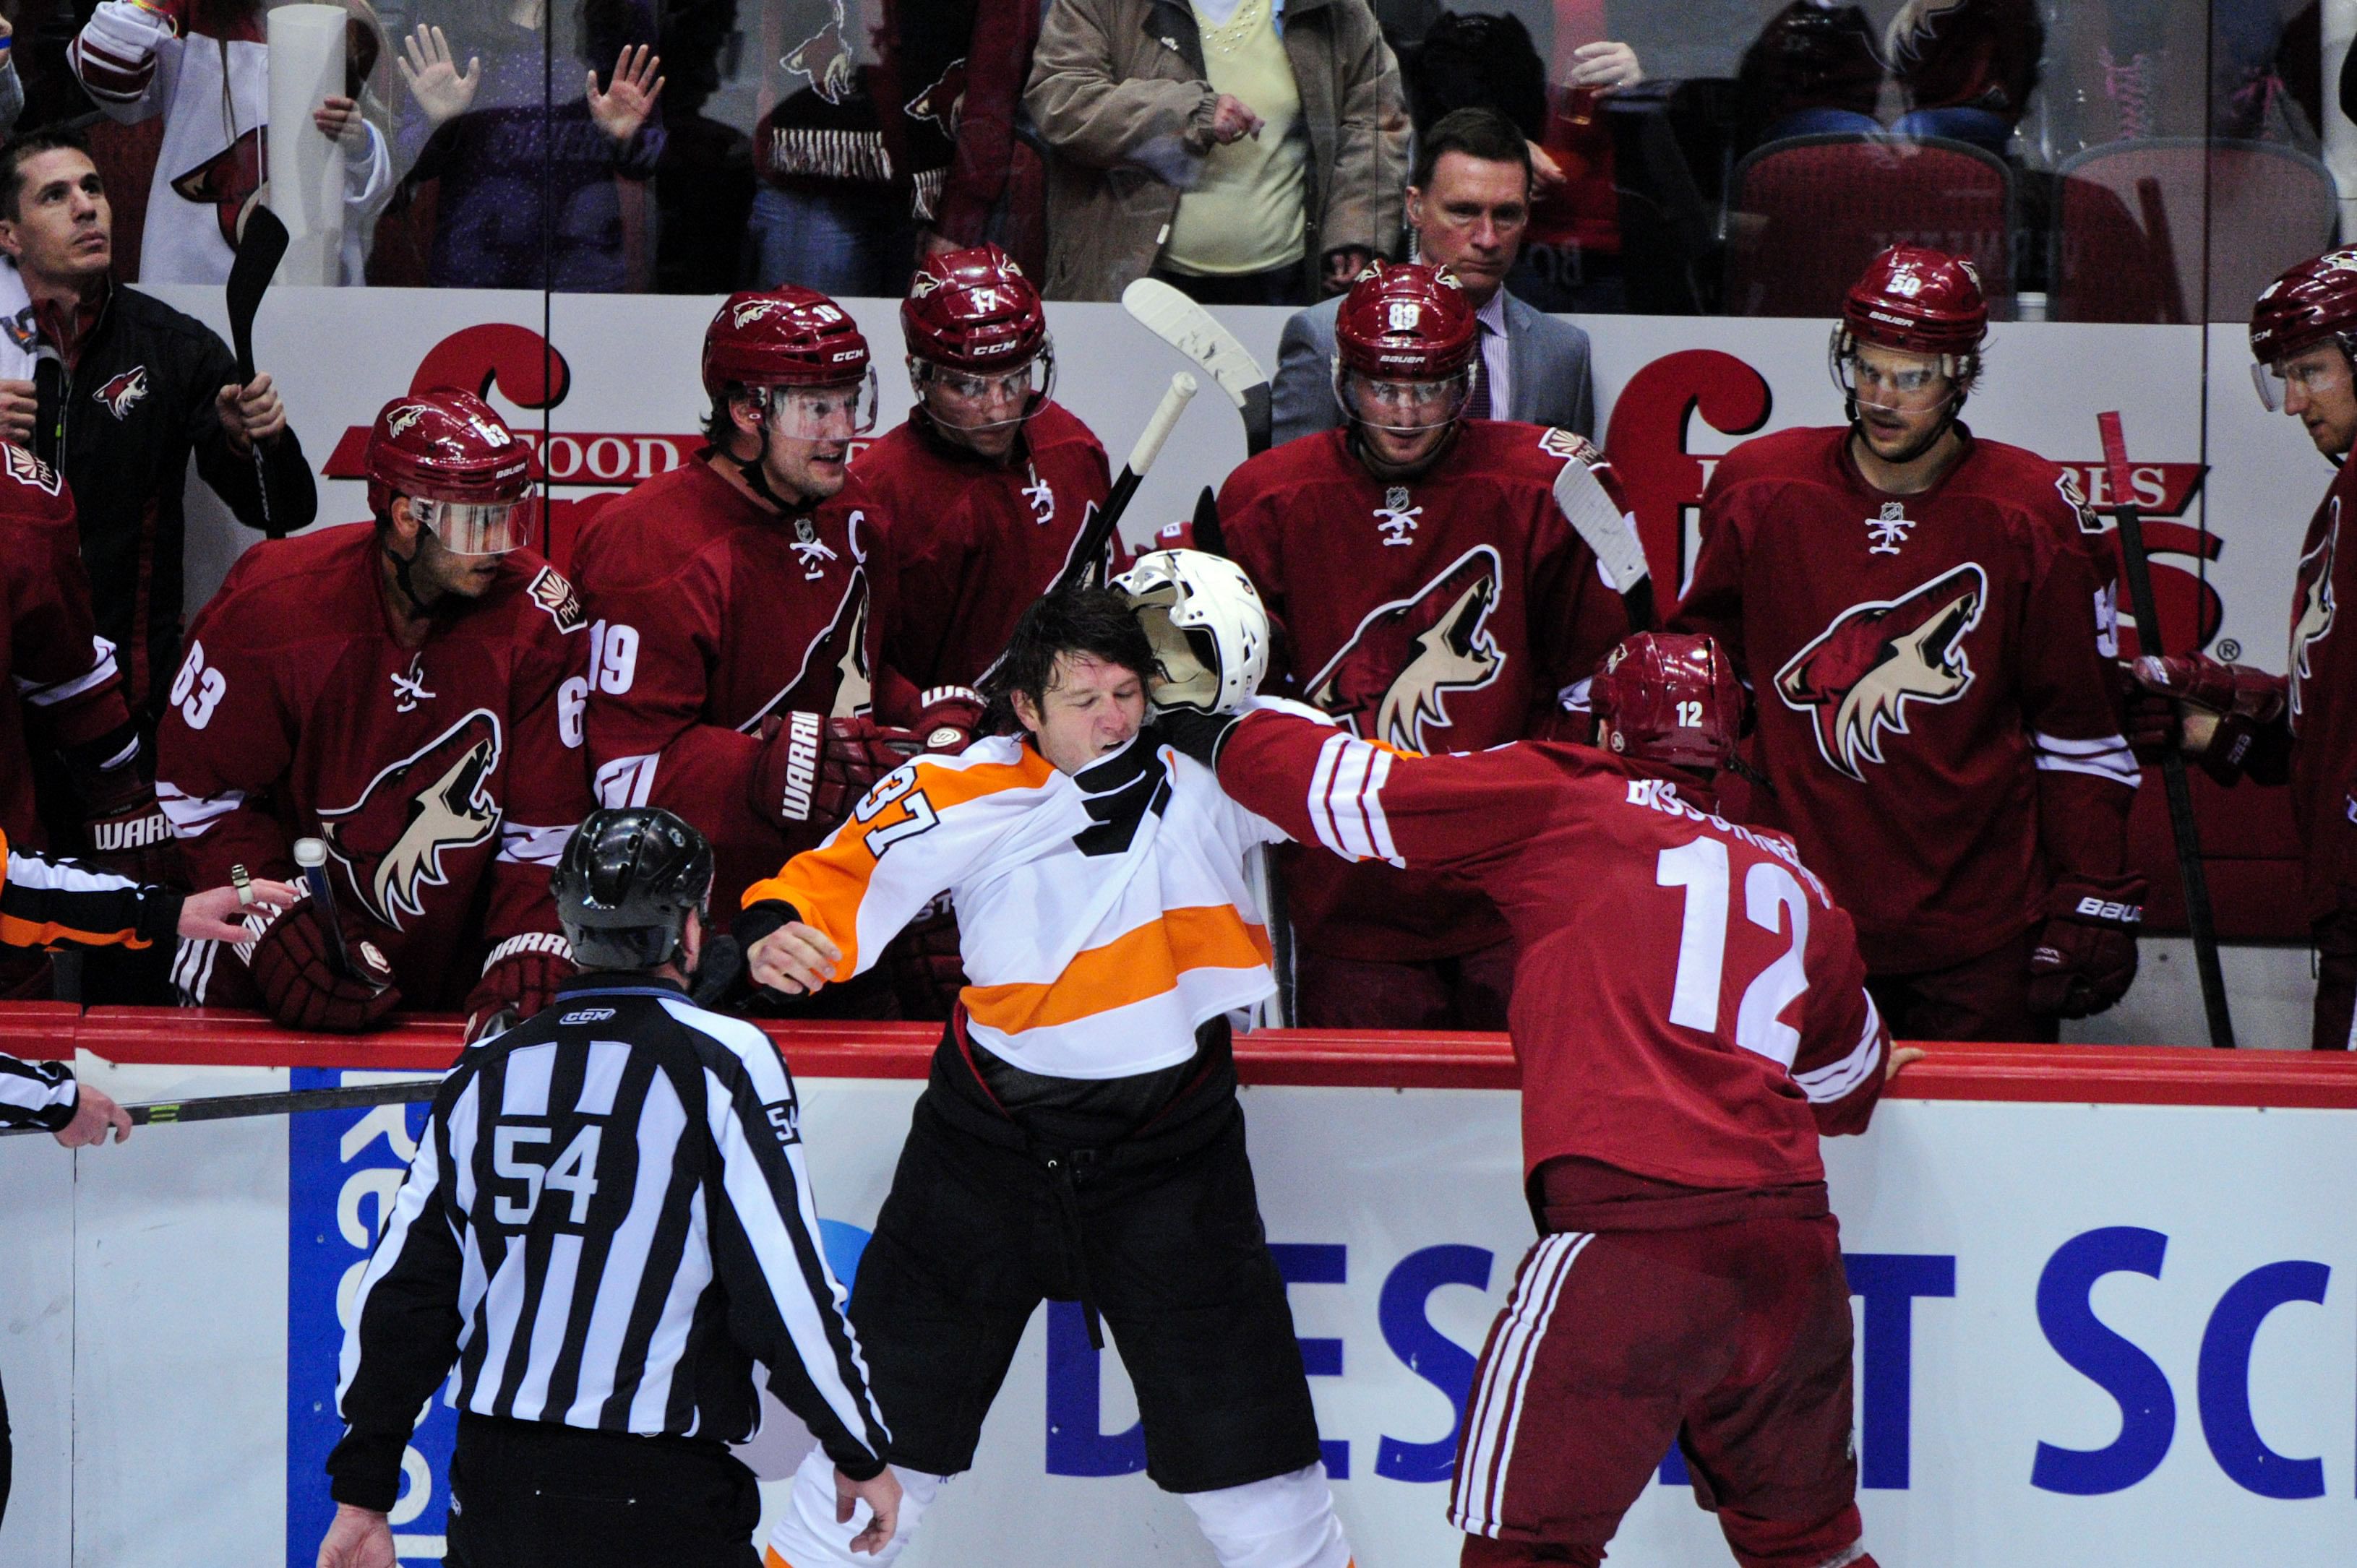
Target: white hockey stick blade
(1588, 507)
(1192, 331)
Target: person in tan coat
(1248, 151)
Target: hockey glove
(2212, 711)
(812, 770)
(290, 956)
(128, 834)
(2086, 954)
(926, 968)
(518, 979)
(950, 718)
(1196, 735)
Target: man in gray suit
(1469, 202)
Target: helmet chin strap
(403, 567)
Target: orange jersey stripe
(825, 886)
(1133, 966)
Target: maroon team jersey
(709, 614)
(1689, 1003)
(1448, 612)
(444, 778)
(2323, 706)
(55, 670)
(1935, 715)
(963, 544)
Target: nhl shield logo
(1885, 533)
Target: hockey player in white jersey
(1081, 1137)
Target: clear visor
(835, 412)
(2275, 382)
(1860, 378)
(471, 528)
(975, 399)
(1403, 407)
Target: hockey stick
(1194, 332)
(1092, 544)
(1589, 507)
(284, 1102)
(311, 856)
(2189, 870)
(259, 250)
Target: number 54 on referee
(608, 1222)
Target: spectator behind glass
(1195, 158)
(1468, 207)
(202, 65)
(997, 188)
(12, 87)
(1958, 69)
(855, 150)
(704, 185)
(535, 191)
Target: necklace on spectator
(1232, 35)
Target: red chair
(1804, 215)
(2137, 224)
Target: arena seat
(2136, 224)
(1806, 214)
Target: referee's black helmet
(626, 884)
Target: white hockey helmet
(1209, 628)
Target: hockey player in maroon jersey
(411, 692)
(1917, 611)
(1690, 1018)
(976, 501)
(728, 604)
(1430, 595)
(2299, 727)
(61, 691)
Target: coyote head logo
(826, 60)
(1393, 678)
(433, 802)
(123, 393)
(2311, 620)
(1856, 677)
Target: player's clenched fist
(795, 959)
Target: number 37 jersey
(1689, 1003)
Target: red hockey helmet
(1671, 697)
(1919, 301)
(788, 336)
(1404, 347)
(2315, 302)
(973, 310)
(464, 471)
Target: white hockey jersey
(211, 84)
(1102, 916)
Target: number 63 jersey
(444, 778)
(1689, 1001)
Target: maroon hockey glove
(926, 969)
(128, 834)
(812, 771)
(2241, 701)
(518, 979)
(951, 715)
(2086, 955)
(290, 960)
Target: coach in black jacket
(139, 387)
(608, 1222)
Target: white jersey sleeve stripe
(1828, 1083)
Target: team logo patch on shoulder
(2066, 485)
(551, 593)
(1560, 442)
(27, 470)
(124, 393)
(1392, 680)
(1855, 680)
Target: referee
(606, 1224)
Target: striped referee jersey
(608, 1222)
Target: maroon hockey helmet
(1406, 322)
(973, 310)
(1671, 697)
(1919, 301)
(2315, 302)
(784, 337)
(448, 449)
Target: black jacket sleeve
(291, 500)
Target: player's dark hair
(1092, 621)
(1477, 133)
(24, 144)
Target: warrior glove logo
(2312, 622)
(433, 802)
(1856, 677)
(124, 393)
(1394, 676)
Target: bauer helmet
(626, 884)
(1406, 342)
(465, 474)
(2315, 302)
(1208, 626)
(1671, 697)
(793, 346)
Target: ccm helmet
(1209, 628)
(788, 346)
(628, 880)
(2315, 302)
(464, 472)
(1670, 697)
